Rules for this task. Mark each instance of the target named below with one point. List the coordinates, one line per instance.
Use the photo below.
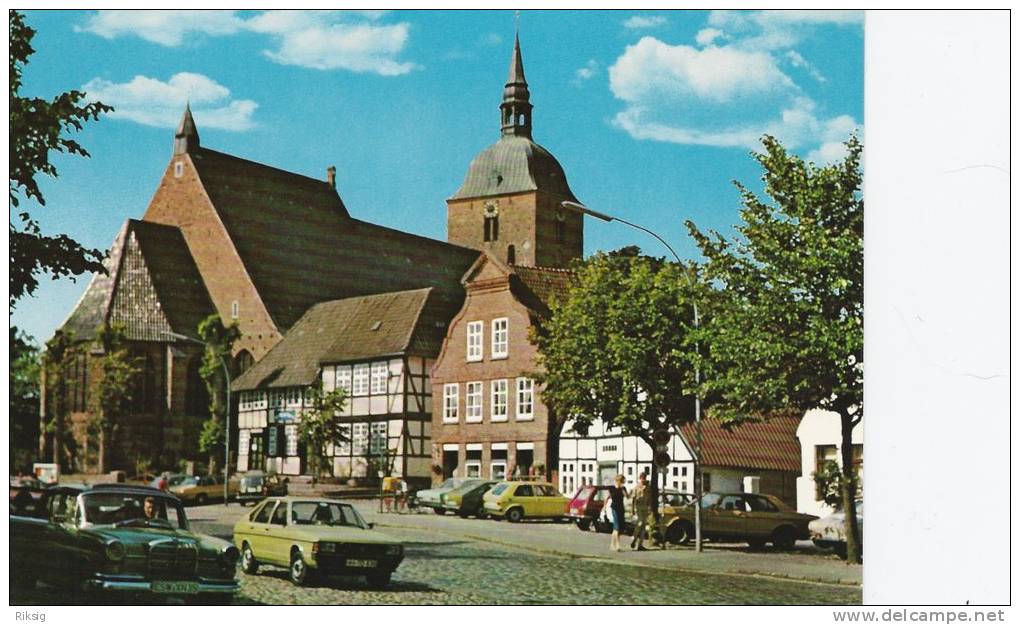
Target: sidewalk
(564, 539)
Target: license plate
(361, 564)
(177, 588)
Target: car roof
(300, 499)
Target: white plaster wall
(819, 427)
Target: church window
(491, 228)
(196, 400)
(178, 169)
(561, 231)
(474, 340)
(235, 309)
(520, 119)
(511, 255)
(243, 361)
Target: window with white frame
(525, 399)
(343, 448)
(243, 442)
(343, 378)
(259, 401)
(359, 439)
(473, 408)
(498, 400)
(451, 403)
(271, 443)
(378, 438)
(293, 396)
(292, 440)
(380, 375)
(475, 329)
(235, 309)
(244, 403)
(276, 399)
(500, 340)
(359, 386)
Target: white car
(830, 532)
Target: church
(428, 338)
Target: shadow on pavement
(355, 583)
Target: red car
(585, 508)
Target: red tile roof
(770, 444)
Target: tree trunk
(101, 456)
(851, 527)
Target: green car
(313, 537)
(118, 538)
(466, 500)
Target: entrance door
(607, 473)
(256, 455)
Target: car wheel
(463, 514)
(756, 544)
(379, 580)
(784, 538)
(248, 562)
(583, 524)
(679, 533)
(840, 550)
(514, 515)
(439, 510)
(298, 571)
(200, 499)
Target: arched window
(243, 361)
(196, 397)
(511, 255)
(491, 228)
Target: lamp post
(698, 484)
(226, 435)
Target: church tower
(509, 204)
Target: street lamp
(226, 436)
(698, 486)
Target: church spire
(186, 137)
(516, 107)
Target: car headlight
(394, 550)
(115, 551)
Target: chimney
(331, 176)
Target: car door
(260, 541)
(551, 503)
(727, 518)
(762, 518)
(278, 543)
(524, 496)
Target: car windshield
(498, 490)
(252, 480)
(325, 513)
(124, 509)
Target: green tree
(320, 428)
(55, 360)
(118, 374)
(788, 335)
(219, 342)
(37, 127)
(24, 399)
(619, 348)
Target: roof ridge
(540, 268)
(248, 160)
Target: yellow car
(519, 500)
(315, 536)
(201, 489)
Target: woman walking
(616, 496)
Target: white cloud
(152, 102)
(706, 36)
(351, 40)
(588, 71)
(800, 62)
(772, 30)
(644, 21)
(166, 28)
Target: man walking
(641, 502)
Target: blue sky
(652, 114)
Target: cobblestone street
(470, 562)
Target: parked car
(257, 485)
(172, 480)
(466, 500)
(739, 517)
(315, 537)
(430, 498)
(199, 490)
(830, 533)
(585, 508)
(115, 537)
(516, 501)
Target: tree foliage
(38, 127)
(60, 349)
(619, 348)
(24, 398)
(320, 428)
(119, 369)
(219, 345)
(787, 334)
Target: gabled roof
(770, 444)
(543, 286)
(152, 287)
(356, 328)
(300, 246)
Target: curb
(741, 573)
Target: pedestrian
(641, 503)
(400, 494)
(617, 493)
(164, 482)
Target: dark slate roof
(152, 287)
(356, 328)
(512, 165)
(770, 444)
(300, 246)
(542, 285)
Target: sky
(653, 114)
